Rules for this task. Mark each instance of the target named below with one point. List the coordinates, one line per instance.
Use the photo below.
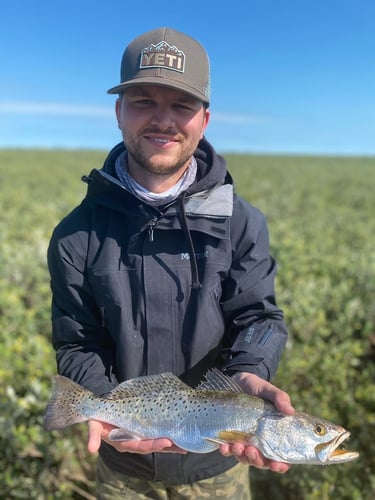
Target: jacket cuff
(246, 362)
(256, 349)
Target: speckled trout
(199, 420)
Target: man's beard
(160, 166)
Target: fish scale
(199, 420)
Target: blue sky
(287, 76)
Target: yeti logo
(163, 55)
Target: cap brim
(164, 82)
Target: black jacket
(138, 290)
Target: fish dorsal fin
(148, 384)
(217, 381)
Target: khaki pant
(232, 484)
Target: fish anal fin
(119, 434)
(231, 437)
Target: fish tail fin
(63, 407)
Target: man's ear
(118, 111)
(206, 119)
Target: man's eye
(184, 107)
(143, 102)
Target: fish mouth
(334, 452)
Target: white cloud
(90, 111)
(55, 109)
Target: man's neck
(156, 182)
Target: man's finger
(94, 439)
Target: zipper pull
(151, 229)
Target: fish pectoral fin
(231, 437)
(124, 435)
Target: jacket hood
(211, 167)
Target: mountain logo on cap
(163, 55)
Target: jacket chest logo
(198, 256)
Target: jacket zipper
(151, 226)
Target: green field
(321, 214)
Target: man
(163, 268)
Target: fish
(199, 420)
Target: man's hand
(249, 455)
(99, 431)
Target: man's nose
(163, 117)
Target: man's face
(161, 128)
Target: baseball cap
(166, 57)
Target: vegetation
(322, 227)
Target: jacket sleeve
(256, 331)
(84, 351)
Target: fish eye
(320, 430)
